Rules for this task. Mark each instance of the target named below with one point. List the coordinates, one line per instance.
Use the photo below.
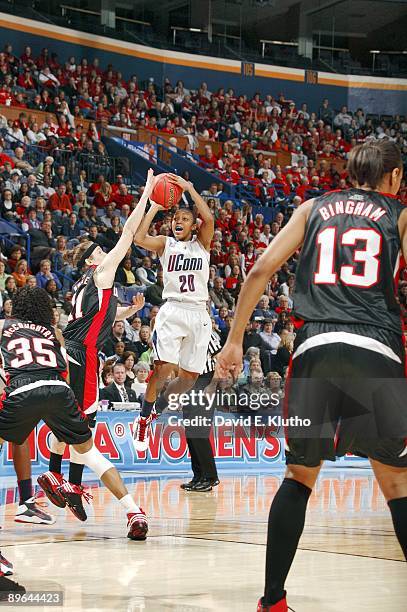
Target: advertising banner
(145, 149)
(237, 445)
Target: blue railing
(8, 230)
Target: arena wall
(373, 94)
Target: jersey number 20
(187, 283)
(32, 351)
(327, 274)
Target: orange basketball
(165, 193)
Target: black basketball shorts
(22, 407)
(346, 393)
(84, 378)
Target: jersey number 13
(327, 272)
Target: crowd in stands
(58, 210)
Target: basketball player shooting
(347, 369)
(94, 310)
(182, 327)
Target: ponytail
(369, 162)
(74, 255)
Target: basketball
(165, 192)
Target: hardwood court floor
(206, 551)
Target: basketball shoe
(6, 567)
(73, 495)
(137, 525)
(49, 483)
(30, 512)
(141, 431)
(280, 606)
(9, 587)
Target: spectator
(16, 254)
(70, 227)
(6, 311)
(59, 178)
(60, 202)
(21, 273)
(220, 319)
(52, 290)
(263, 310)
(106, 219)
(154, 293)
(282, 357)
(124, 274)
(145, 273)
(118, 334)
(143, 344)
(117, 391)
(274, 382)
(343, 118)
(132, 329)
(326, 113)
(122, 197)
(3, 276)
(114, 231)
(119, 349)
(129, 361)
(95, 236)
(221, 296)
(252, 338)
(139, 385)
(8, 209)
(103, 196)
(106, 376)
(45, 274)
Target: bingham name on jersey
(350, 207)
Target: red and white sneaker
(137, 525)
(6, 567)
(73, 495)
(50, 483)
(141, 431)
(280, 606)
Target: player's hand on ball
(138, 301)
(178, 180)
(156, 206)
(229, 360)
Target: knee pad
(93, 459)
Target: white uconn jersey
(185, 271)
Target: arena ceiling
(279, 19)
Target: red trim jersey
(93, 313)
(350, 260)
(29, 349)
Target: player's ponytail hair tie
(86, 254)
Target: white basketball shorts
(181, 336)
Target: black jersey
(350, 260)
(29, 350)
(93, 313)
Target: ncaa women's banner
(237, 445)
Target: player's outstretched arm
(207, 227)
(280, 250)
(105, 273)
(403, 233)
(125, 312)
(142, 238)
(60, 338)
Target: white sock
(129, 504)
